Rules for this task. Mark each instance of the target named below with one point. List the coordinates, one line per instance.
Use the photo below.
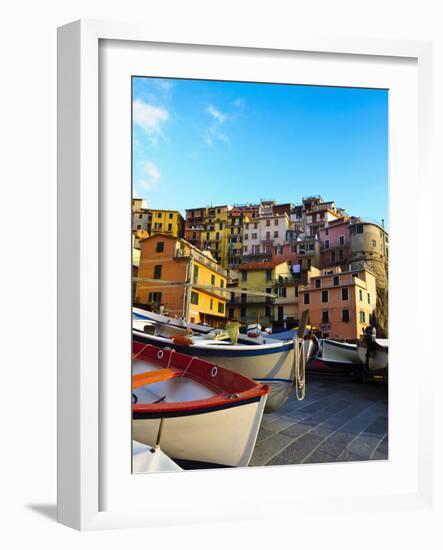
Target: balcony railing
(201, 259)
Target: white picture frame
(82, 259)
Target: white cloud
(150, 178)
(152, 170)
(165, 85)
(239, 103)
(150, 118)
(214, 132)
(216, 114)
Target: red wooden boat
(192, 409)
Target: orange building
(176, 276)
(340, 304)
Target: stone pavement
(338, 421)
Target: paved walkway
(338, 421)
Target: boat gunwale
(345, 345)
(239, 350)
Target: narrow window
(344, 294)
(306, 298)
(345, 315)
(221, 307)
(360, 294)
(324, 296)
(157, 271)
(317, 283)
(325, 317)
(336, 281)
(160, 247)
(195, 278)
(194, 298)
(212, 280)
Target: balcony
(201, 259)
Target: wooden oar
(153, 376)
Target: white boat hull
(339, 352)
(226, 437)
(147, 460)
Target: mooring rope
(299, 368)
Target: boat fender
(234, 396)
(214, 372)
(160, 354)
(182, 340)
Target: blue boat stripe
(273, 380)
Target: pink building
(334, 242)
(341, 304)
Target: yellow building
(257, 278)
(184, 280)
(166, 222)
(212, 225)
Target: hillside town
(265, 264)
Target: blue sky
(198, 142)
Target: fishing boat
(343, 353)
(265, 360)
(139, 314)
(374, 354)
(147, 459)
(192, 409)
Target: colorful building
(258, 279)
(181, 280)
(334, 242)
(340, 303)
(165, 222)
(262, 234)
(286, 313)
(140, 215)
(209, 229)
(316, 213)
(302, 251)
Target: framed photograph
(233, 220)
